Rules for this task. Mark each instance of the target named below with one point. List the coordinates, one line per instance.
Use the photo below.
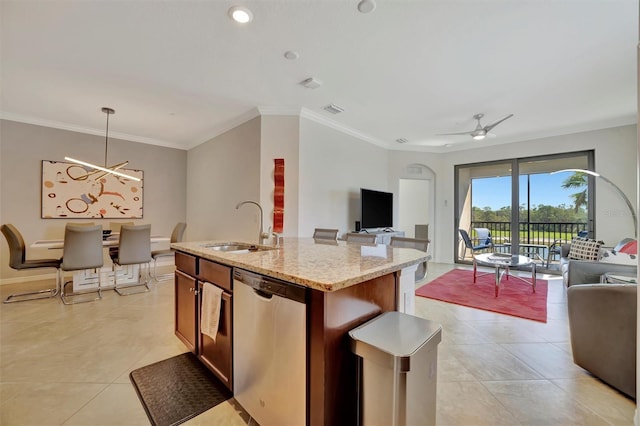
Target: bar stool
(82, 250)
(134, 248)
(18, 261)
(355, 237)
(414, 243)
(176, 237)
(325, 234)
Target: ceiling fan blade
(495, 123)
(459, 133)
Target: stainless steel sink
(235, 247)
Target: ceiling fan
(480, 132)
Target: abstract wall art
(67, 192)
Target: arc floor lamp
(619, 191)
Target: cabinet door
(216, 355)
(186, 290)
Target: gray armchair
(602, 323)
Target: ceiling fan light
(479, 137)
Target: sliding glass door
(526, 203)
(483, 200)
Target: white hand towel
(211, 304)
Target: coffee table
(616, 278)
(502, 263)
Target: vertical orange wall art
(278, 195)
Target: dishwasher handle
(267, 287)
(263, 294)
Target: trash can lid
(395, 334)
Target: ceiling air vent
(402, 140)
(311, 83)
(333, 109)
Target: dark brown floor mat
(177, 389)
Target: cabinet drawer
(186, 263)
(215, 273)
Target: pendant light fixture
(105, 170)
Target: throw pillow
(630, 248)
(585, 249)
(611, 256)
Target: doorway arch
(416, 200)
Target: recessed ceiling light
(366, 6)
(291, 55)
(240, 14)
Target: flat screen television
(376, 209)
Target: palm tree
(577, 180)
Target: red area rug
(515, 297)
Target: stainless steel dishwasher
(269, 348)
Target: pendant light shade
(106, 169)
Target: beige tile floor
(69, 365)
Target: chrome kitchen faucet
(262, 236)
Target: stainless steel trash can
(397, 366)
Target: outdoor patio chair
(483, 236)
(483, 244)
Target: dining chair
(356, 237)
(82, 250)
(414, 243)
(18, 261)
(325, 234)
(176, 237)
(115, 229)
(468, 244)
(134, 248)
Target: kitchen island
(347, 284)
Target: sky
(545, 189)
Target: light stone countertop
(321, 265)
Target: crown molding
(86, 130)
(320, 119)
(226, 126)
(277, 110)
(289, 111)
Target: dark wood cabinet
(191, 274)
(186, 313)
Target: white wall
(333, 168)
(24, 146)
(280, 137)
(221, 173)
